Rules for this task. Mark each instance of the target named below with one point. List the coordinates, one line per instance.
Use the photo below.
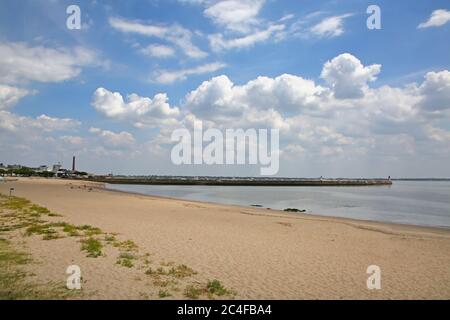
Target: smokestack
(73, 164)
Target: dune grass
(92, 246)
(126, 259)
(19, 214)
(13, 284)
(213, 289)
(163, 294)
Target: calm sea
(425, 203)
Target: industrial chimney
(73, 164)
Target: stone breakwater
(240, 181)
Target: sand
(258, 253)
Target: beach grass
(216, 288)
(20, 214)
(126, 259)
(13, 284)
(181, 271)
(127, 245)
(193, 292)
(92, 246)
(163, 294)
(89, 230)
(213, 289)
(38, 209)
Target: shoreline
(266, 210)
(255, 253)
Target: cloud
(347, 76)
(287, 17)
(110, 138)
(175, 34)
(167, 77)
(287, 93)
(437, 134)
(347, 118)
(72, 140)
(214, 99)
(158, 51)
(9, 96)
(139, 28)
(56, 124)
(43, 123)
(258, 102)
(218, 43)
(22, 63)
(435, 91)
(242, 27)
(330, 27)
(139, 110)
(41, 140)
(29, 140)
(342, 120)
(438, 18)
(235, 15)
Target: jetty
(239, 181)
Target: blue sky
(388, 116)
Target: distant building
(42, 168)
(62, 173)
(57, 167)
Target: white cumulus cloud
(435, 91)
(348, 76)
(140, 110)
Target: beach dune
(257, 253)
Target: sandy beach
(255, 253)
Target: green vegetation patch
(163, 294)
(46, 230)
(126, 260)
(92, 246)
(52, 214)
(216, 288)
(127, 245)
(19, 213)
(193, 292)
(13, 284)
(213, 289)
(110, 238)
(181, 271)
(89, 230)
(38, 209)
(15, 203)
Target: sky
(348, 101)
